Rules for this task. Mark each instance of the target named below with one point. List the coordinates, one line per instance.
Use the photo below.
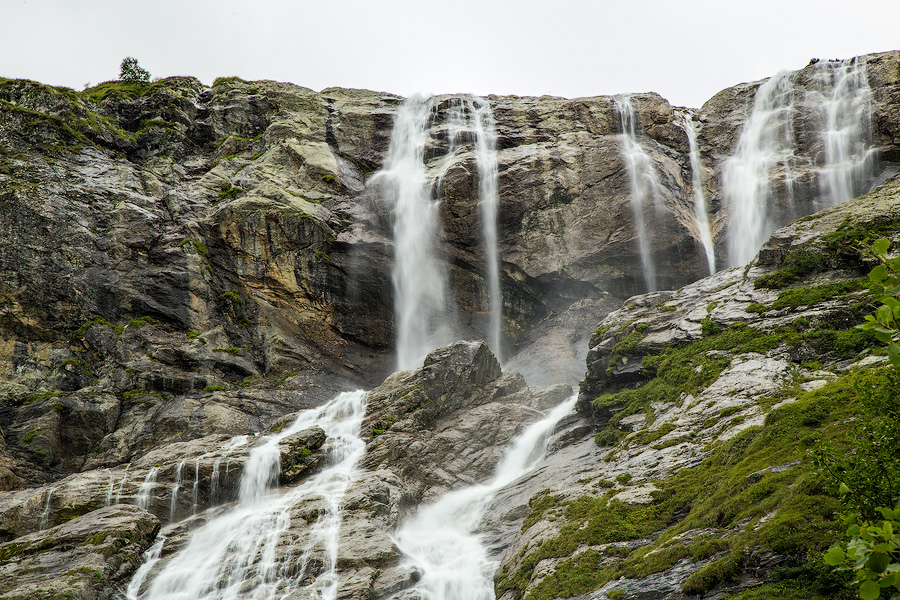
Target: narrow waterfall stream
(441, 539)
(845, 104)
(701, 219)
(644, 185)
(473, 116)
(488, 203)
(241, 553)
(420, 288)
(421, 298)
(766, 141)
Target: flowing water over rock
(422, 301)
(644, 185)
(766, 142)
(845, 104)
(420, 288)
(441, 540)
(240, 554)
(474, 116)
(700, 215)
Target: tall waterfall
(766, 142)
(644, 185)
(474, 115)
(845, 106)
(420, 289)
(236, 554)
(701, 219)
(441, 538)
(421, 298)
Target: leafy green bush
(868, 477)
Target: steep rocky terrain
(185, 267)
(706, 402)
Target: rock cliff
(184, 267)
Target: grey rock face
(87, 558)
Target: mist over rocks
(183, 268)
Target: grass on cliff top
(688, 369)
(731, 494)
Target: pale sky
(686, 50)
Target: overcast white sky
(686, 50)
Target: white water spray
(196, 491)
(175, 487)
(765, 143)
(701, 219)
(151, 557)
(145, 491)
(420, 290)
(474, 116)
(44, 520)
(236, 555)
(644, 185)
(441, 540)
(844, 102)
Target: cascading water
(474, 115)
(151, 557)
(176, 486)
(644, 185)
(701, 219)
(766, 142)
(44, 520)
(420, 290)
(145, 491)
(441, 540)
(235, 555)
(844, 102)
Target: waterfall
(109, 491)
(196, 490)
(150, 558)
(441, 540)
(766, 142)
(701, 220)
(145, 491)
(45, 515)
(236, 553)
(473, 115)
(420, 290)
(644, 184)
(175, 487)
(844, 102)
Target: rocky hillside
(184, 267)
(706, 403)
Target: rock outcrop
(705, 403)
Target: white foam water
(441, 539)
(644, 185)
(420, 288)
(473, 116)
(701, 218)
(844, 104)
(766, 142)
(241, 553)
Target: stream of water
(701, 219)
(844, 102)
(442, 539)
(644, 185)
(244, 553)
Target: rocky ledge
(705, 402)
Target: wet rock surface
(91, 556)
(183, 268)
